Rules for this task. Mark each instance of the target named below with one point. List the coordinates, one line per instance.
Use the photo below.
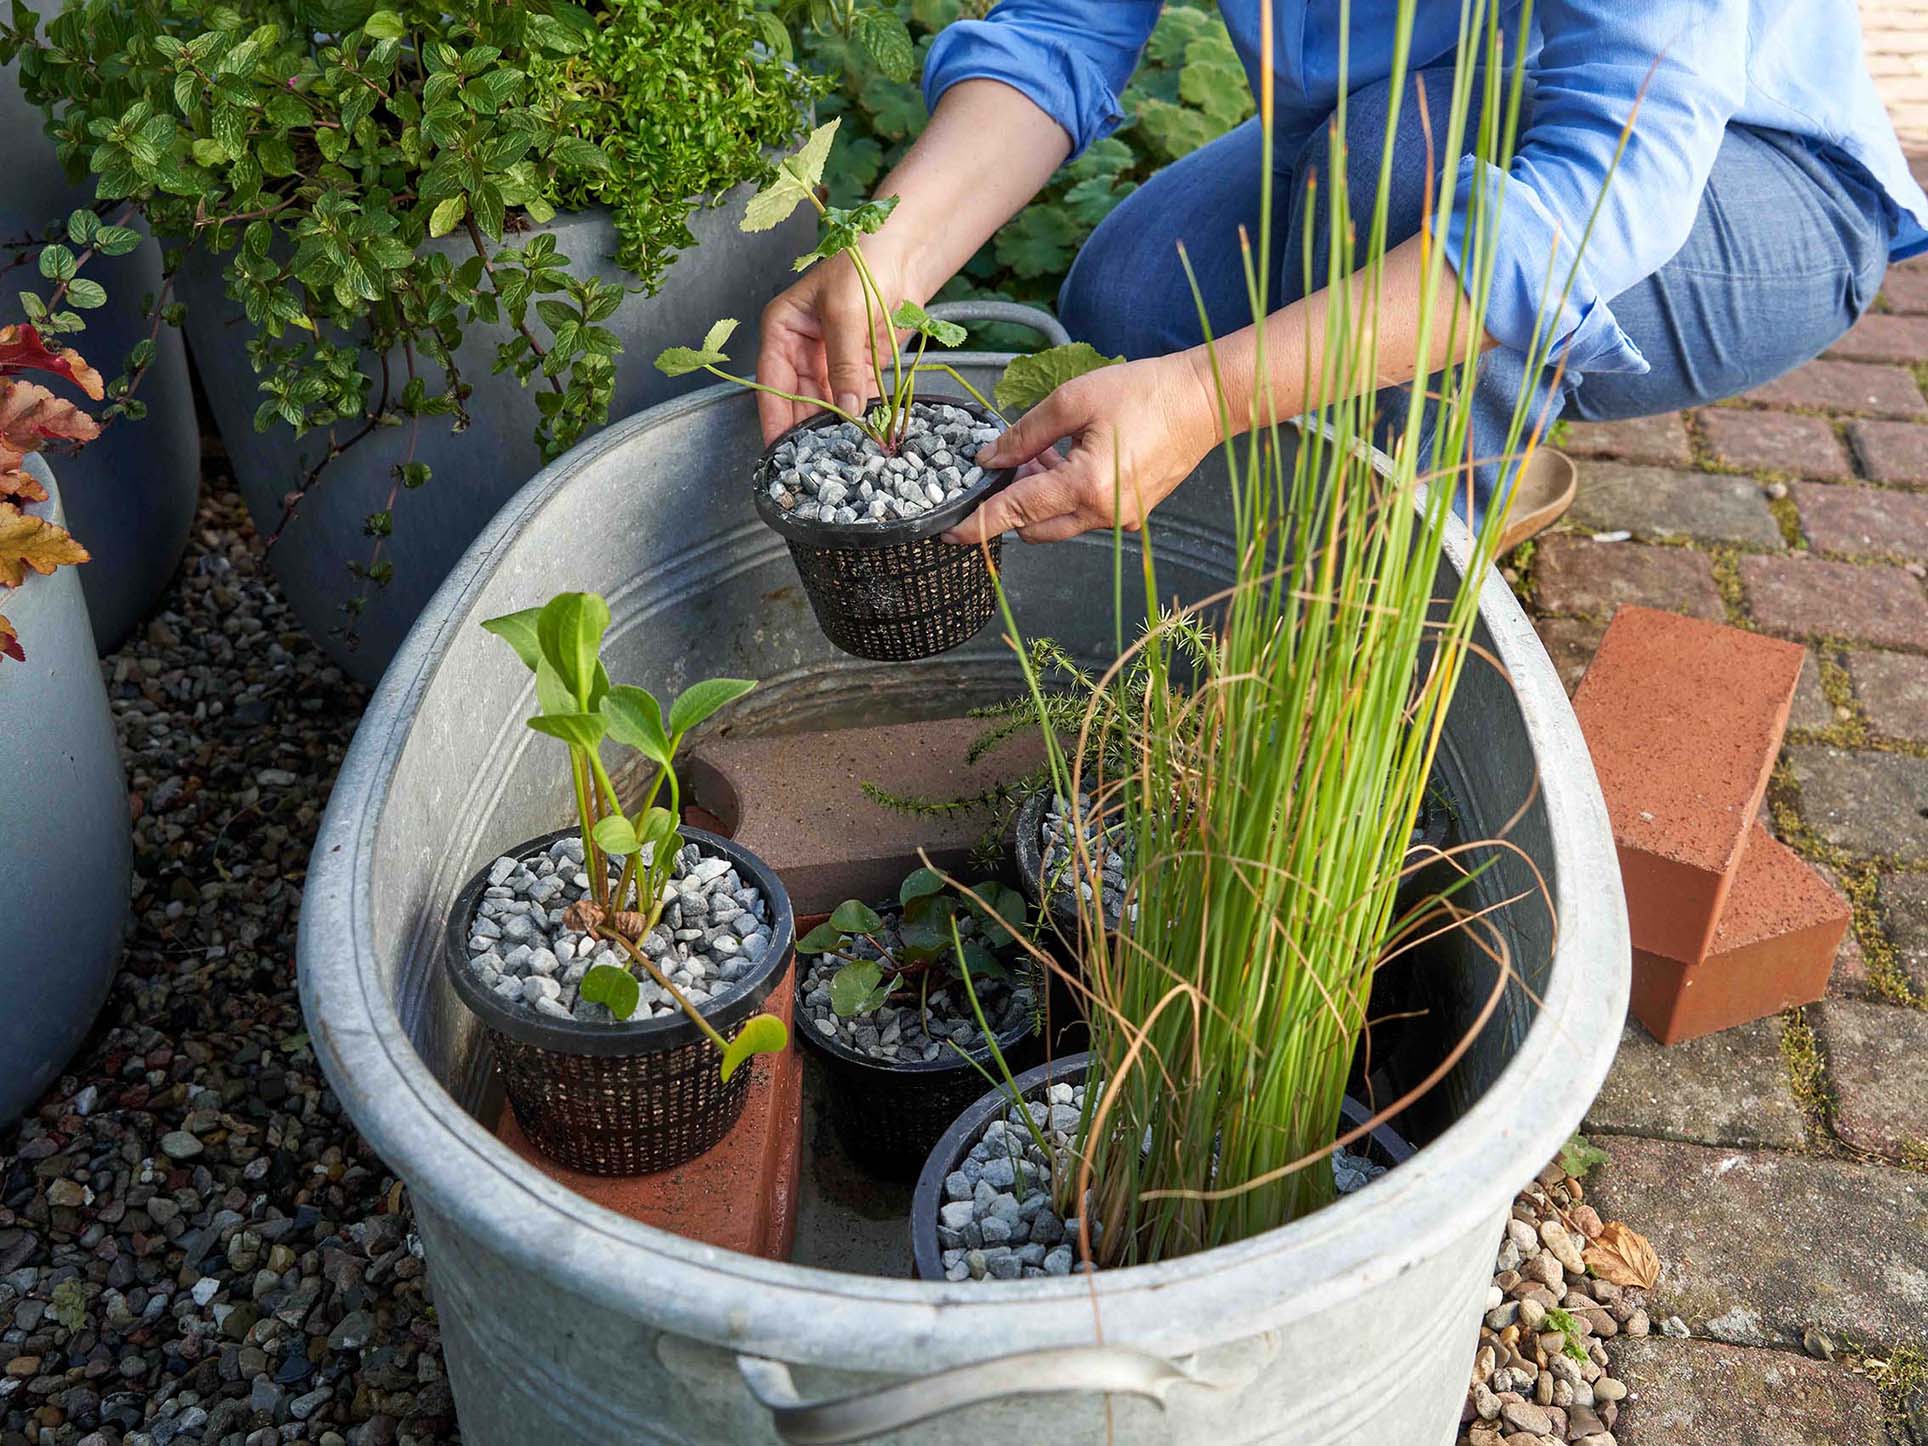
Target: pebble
(818, 474)
(518, 945)
(1061, 866)
(1526, 1387)
(196, 1116)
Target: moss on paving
(1806, 1073)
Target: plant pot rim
(848, 1058)
(853, 537)
(928, 1194)
(645, 1036)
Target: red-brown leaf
(21, 348)
(1623, 1257)
(33, 542)
(10, 642)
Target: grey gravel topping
(1541, 1373)
(1061, 868)
(913, 1028)
(196, 1247)
(839, 474)
(713, 932)
(997, 1221)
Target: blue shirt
(1787, 65)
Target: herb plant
(32, 418)
(322, 149)
(561, 643)
(930, 949)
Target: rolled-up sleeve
(1071, 58)
(1677, 71)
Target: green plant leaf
(944, 333)
(1028, 380)
(826, 938)
(384, 25)
(635, 720)
(614, 835)
(918, 884)
(676, 361)
(796, 178)
(761, 1034)
(858, 988)
(614, 988)
(578, 730)
(551, 696)
(1579, 1155)
(884, 35)
(447, 215)
(980, 963)
(1009, 905)
(661, 834)
(570, 628)
(518, 630)
(86, 293)
(701, 700)
(853, 916)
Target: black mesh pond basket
(891, 591)
(627, 1099)
(888, 1113)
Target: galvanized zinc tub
(564, 1323)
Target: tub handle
(1114, 1370)
(1015, 313)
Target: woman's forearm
(987, 150)
(1295, 345)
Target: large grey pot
(1352, 1327)
(727, 273)
(130, 494)
(64, 832)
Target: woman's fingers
(1056, 417)
(1050, 495)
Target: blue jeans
(1789, 248)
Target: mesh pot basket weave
(890, 591)
(888, 1113)
(623, 1099)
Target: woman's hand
(1137, 430)
(814, 339)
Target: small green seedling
(561, 643)
(926, 952)
(797, 181)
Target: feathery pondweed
(1270, 781)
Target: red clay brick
(1891, 451)
(1773, 949)
(1574, 576)
(798, 801)
(1863, 521)
(1661, 440)
(1684, 719)
(740, 1196)
(1804, 597)
(1882, 338)
(1773, 442)
(1845, 386)
(1906, 290)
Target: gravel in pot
(904, 1054)
(864, 527)
(983, 1208)
(608, 1096)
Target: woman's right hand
(814, 340)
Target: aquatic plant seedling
(561, 643)
(927, 950)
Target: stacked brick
(1684, 719)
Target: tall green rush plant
(1271, 784)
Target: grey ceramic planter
(131, 494)
(63, 818)
(726, 273)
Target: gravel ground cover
(195, 1245)
(839, 474)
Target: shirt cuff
(1524, 301)
(1063, 83)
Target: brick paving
(1781, 1169)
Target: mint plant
(561, 643)
(928, 947)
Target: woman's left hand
(1137, 430)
